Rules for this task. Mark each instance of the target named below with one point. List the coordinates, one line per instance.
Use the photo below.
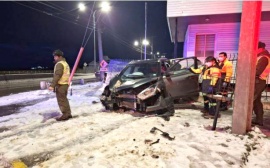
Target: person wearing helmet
(60, 84)
(210, 84)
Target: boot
(254, 122)
(205, 108)
(211, 114)
(64, 117)
(204, 111)
(223, 106)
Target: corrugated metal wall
(227, 36)
(193, 8)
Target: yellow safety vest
(66, 73)
(266, 71)
(212, 73)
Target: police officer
(60, 84)
(226, 74)
(262, 71)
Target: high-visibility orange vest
(266, 71)
(66, 73)
(227, 69)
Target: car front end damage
(148, 97)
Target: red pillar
(246, 66)
(75, 65)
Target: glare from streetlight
(105, 6)
(81, 7)
(145, 42)
(136, 43)
(157, 53)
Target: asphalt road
(27, 83)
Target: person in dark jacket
(210, 84)
(262, 72)
(60, 84)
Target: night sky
(30, 31)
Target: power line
(120, 40)
(127, 44)
(123, 41)
(88, 25)
(50, 14)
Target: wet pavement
(15, 108)
(8, 91)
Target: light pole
(94, 23)
(105, 7)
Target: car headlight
(148, 92)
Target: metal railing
(233, 58)
(84, 70)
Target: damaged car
(151, 86)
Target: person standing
(226, 75)
(60, 84)
(262, 71)
(210, 85)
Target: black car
(151, 86)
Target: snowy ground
(98, 138)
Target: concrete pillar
(246, 66)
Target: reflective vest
(266, 71)
(66, 72)
(212, 73)
(226, 70)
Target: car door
(180, 81)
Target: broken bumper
(133, 103)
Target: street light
(144, 42)
(136, 43)
(104, 7)
(81, 7)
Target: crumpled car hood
(131, 84)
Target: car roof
(148, 61)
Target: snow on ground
(98, 138)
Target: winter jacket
(226, 70)
(211, 76)
(61, 73)
(263, 65)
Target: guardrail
(84, 70)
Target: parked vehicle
(151, 86)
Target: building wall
(194, 8)
(227, 36)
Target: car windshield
(143, 70)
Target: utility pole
(246, 66)
(100, 49)
(94, 23)
(175, 40)
(145, 29)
